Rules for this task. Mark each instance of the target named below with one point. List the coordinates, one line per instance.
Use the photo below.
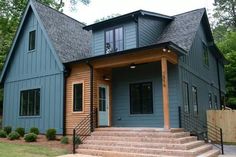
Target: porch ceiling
(138, 57)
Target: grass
(16, 150)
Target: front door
(103, 105)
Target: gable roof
(67, 35)
(182, 29)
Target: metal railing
(204, 130)
(84, 129)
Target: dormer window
(32, 40)
(114, 40)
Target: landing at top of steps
(139, 129)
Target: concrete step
(140, 134)
(152, 151)
(116, 153)
(210, 153)
(185, 146)
(140, 129)
(145, 139)
(201, 149)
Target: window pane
(141, 98)
(195, 101)
(210, 100)
(118, 39)
(215, 102)
(102, 99)
(109, 41)
(185, 97)
(32, 40)
(78, 97)
(30, 102)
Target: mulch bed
(42, 141)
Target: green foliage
(51, 134)
(30, 137)
(64, 140)
(21, 131)
(228, 47)
(7, 129)
(78, 140)
(34, 130)
(225, 12)
(13, 136)
(3, 134)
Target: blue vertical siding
(29, 70)
(149, 30)
(195, 73)
(130, 39)
(121, 101)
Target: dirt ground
(42, 141)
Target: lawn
(26, 150)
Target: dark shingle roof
(182, 29)
(67, 35)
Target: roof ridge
(189, 11)
(37, 1)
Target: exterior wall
(195, 73)
(130, 39)
(35, 69)
(149, 30)
(143, 73)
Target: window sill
(141, 115)
(32, 51)
(26, 117)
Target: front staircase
(144, 142)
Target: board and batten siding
(196, 73)
(130, 39)
(150, 72)
(149, 30)
(30, 70)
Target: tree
(106, 18)
(225, 12)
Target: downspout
(91, 95)
(66, 73)
(219, 84)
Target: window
(78, 97)
(210, 100)
(185, 97)
(205, 55)
(30, 102)
(195, 101)
(215, 101)
(141, 101)
(32, 40)
(102, 99)
(114, 40)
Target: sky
(102, 8)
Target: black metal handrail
(84, 128)
(204, 130)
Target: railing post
(221, 141)
(74, 141)
(180, 120)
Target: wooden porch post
(165, 93)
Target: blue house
(135, 70)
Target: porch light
(164, 49)
(106, 78)
(169, 51)
(132, 66)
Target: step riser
(114, 129)
(143, 139)
(144, 145)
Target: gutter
(91, 95)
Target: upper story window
(32, 35)
(205, 55)
(30, 102)
(114, 40)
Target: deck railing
(84, 129)
(204, 130)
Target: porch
(111, 78)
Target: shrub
(3, 134)
(13, 136)
(21, 131)
(30, 137)
(7, 129)
(34, 130)
(64, 140)
(51, 134)
(78, 140)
